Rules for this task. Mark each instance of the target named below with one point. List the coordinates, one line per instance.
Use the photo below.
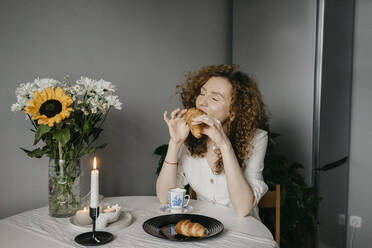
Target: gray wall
(360, 183)
(275, 41)
(144, 47)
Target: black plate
(163, 226)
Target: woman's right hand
(178, 128)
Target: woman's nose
(203, 102)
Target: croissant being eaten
(189, 229)
(195, 129)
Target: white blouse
(210, 187)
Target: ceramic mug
(177, 199)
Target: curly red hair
(246, 104)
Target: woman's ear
(232, 116)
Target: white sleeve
(181, 179)
(255, 165)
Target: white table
(36, 229)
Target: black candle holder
(94, 238)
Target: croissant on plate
(195, 129)
(189, 229)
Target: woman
(224, 166)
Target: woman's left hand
(214, 130)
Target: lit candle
(94, 185)
(109, 209)
(82, 217)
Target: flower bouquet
(67, 118)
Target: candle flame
(95, 163)
(85, 209)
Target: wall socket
(341, 219)
(355, 221)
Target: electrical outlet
(355, 221)
(341, 219)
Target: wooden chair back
(192, 193)
(272, 200)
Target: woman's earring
(232, 117)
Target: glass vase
(64, 187)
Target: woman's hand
(178, 129)
(214, 130)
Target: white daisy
(16, 107)
(44, 83)
(25, 90)
(114, 101)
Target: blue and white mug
(177, 199)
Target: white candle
(82, 217)
(94, 185)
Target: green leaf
(87, 127)
(90, 150)
(101, 146)
(41, 130)
(274, 135)
(162, 151)
(37, 153)
(96, 131)
(86, 139)
(62, 135)
(28, 152)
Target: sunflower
(49, 106)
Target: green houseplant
(299, 203)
